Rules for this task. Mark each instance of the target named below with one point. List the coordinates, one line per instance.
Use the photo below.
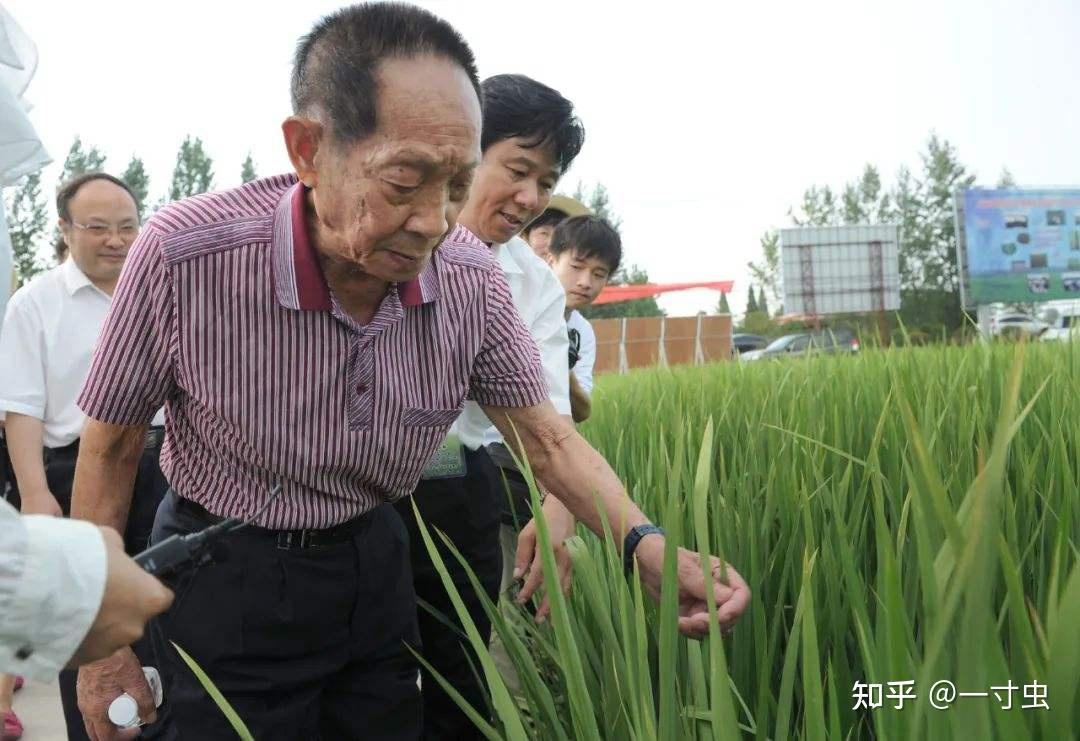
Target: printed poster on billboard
(1022, 245)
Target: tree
(28, 219)
(722, 307)
(863, 201)
(943, 175)
(599, 202)
(247, 170)
(1006, 179)
(818, 208)
(139, 182)
(751, 301)
(80, 161)
(194, 171)
(767, 272)
(762, 302)
(633, 276)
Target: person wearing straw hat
(538, 233)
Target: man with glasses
(46, 344)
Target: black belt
(285, 539)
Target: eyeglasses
(127, 231)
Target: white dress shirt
(541, 302)
(52, 580)
(583, 370)
(46, 344)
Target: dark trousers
(305, 643)
(465, 509)
(150, 487)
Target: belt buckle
(288, 539)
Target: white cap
(124, 711)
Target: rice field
(906, 518)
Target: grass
(909, 514)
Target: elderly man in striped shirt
(304, 331)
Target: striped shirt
(223, 315)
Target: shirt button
(361, 389)
(24, 653)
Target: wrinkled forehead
(427, 112)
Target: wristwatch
(630, 543)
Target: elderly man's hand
(529, 561)
(102, 682)
(731, 598)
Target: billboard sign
(840, 269)
(1021, 245)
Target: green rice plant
(907, 514)
(211, 689)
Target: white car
(1016, 323)
(1062, 327)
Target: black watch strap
(630, 543)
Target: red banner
(614, 294)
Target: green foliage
(211, 689)
(923, 207)
(751, 300)
(247, 170)
(767, 272)
(902, 514)
(80, 161)
(598, 201)
(139, 181)
(627, 275)
(722, 307)
(27, 221)
(194, 172)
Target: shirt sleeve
(583, 370)
(131, 375)
(507, 370)
(22, 367)
(52, 580)
(549, 331)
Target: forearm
(105, 473)
(570, 469)
(25, 436)
(580, 402)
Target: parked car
(1062, 326)
(1015, 323)
(828, 341)
(744, 342)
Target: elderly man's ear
(303, 135)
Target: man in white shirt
(46, 344)
(584, 252)
(529, 138)
(68, 594)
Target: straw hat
(567, 205)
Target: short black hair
(335, 64)
(588, 236)
(516, 106)
(550, 217)
(68, 190)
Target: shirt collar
(298, 278)
(74, 279)
(506, 258)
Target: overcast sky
(706, 121)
